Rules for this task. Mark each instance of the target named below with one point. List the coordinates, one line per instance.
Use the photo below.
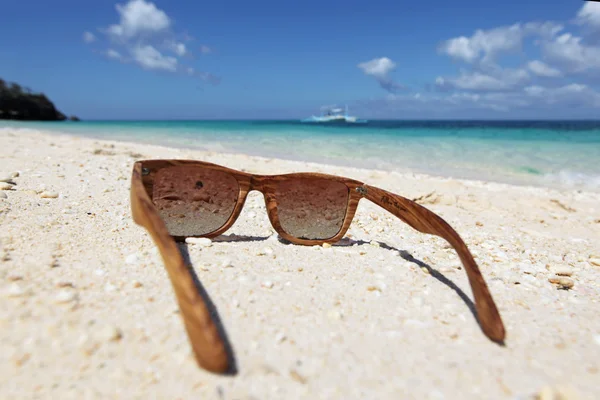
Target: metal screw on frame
(362, 190)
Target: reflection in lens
(311, 208)
(194, 201)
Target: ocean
(557, 154)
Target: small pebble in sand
(327, 245)
(54, 262)
(280, 337)
(6, 186)
(109, 287)
(204, 242)
(87, 345)
(556, 393)
(297, 377)
(563, 283)
(3, 195)
(15, 174)
(111, 333)
(561, 271)
(49, 195)
(226, 264)
(267, 284)
(264, 252)
(417, 301)
(131, 259)
(595, 261)
(136, 284)
(66, 296)
(15, 290)
(20, 358)
(336, 314)
(7, 179)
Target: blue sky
(172, 59)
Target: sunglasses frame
(266, 185)
(207, 343)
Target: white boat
(334, 115)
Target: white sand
(87, 310)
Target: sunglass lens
(194, 201)
(311, 208)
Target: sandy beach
(87, 310)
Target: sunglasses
(176, 199)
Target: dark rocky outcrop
(22, 104)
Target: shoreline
(87, 309)
(401, 171)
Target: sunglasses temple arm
(425, 221)
(207, 344)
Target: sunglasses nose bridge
(257, 183)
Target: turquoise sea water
(562, 154)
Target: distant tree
(16, 89)
(17, 102)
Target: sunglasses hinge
(362, 190)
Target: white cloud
(539, 100)
(462, 96)
(138, 17)
(461, 48)
(177, 48)
(150, 58)
(111, 53)
(144, 36)
(546, 30)
(486, 45)
(589, 15)
(569, 51)
(88, 37)
(572, 94)
(380, 68)
(541, 69)
(556, 74)
(497, 79)
(541, 91)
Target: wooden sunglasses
(167, 194)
